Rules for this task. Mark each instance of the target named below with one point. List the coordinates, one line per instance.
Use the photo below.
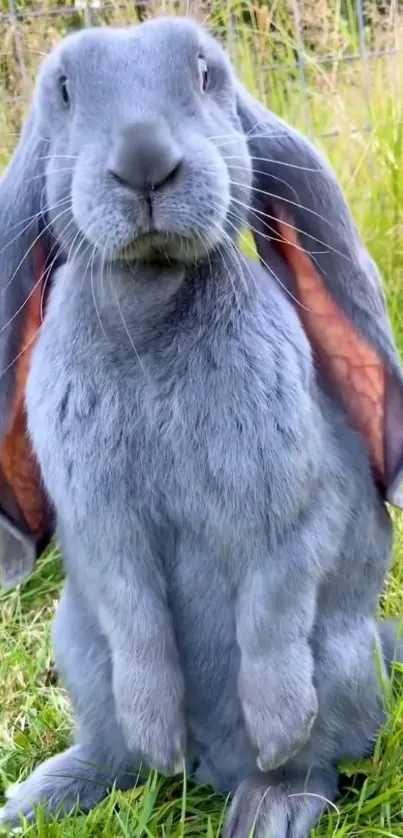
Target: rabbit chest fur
(190, 415)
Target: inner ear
(351, 364)
(29, 509)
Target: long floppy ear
(298, 203)
(25, 515)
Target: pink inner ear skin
(351, 364)
(17, 463)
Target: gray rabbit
(222, 523)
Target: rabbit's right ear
(25, 516)
(298, 205)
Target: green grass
(35, 719)
(36, 723)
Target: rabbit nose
(145, 155)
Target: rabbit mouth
(165, 248)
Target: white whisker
(11, 319)
(265, 214)
(128, 333)
(270, 270)
(55, 172)
(28, 221)
(294, 204)
(276, 163)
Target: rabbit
(222, 520)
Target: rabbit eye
(204, 74)
(64, 90)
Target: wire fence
(303, 45)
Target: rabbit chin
(167, 248)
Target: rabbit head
(142, 145)
(136, 164)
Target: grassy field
(35, 720)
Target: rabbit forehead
(156, 53)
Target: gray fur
(17, 553)
(224, 542)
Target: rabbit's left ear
(297, 205)
(25, 516)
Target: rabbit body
(205, 432)
(171, 469)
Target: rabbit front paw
(152, 721)
(278, 716)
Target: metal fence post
(301, 64)
(19, 51)
(364, 59)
